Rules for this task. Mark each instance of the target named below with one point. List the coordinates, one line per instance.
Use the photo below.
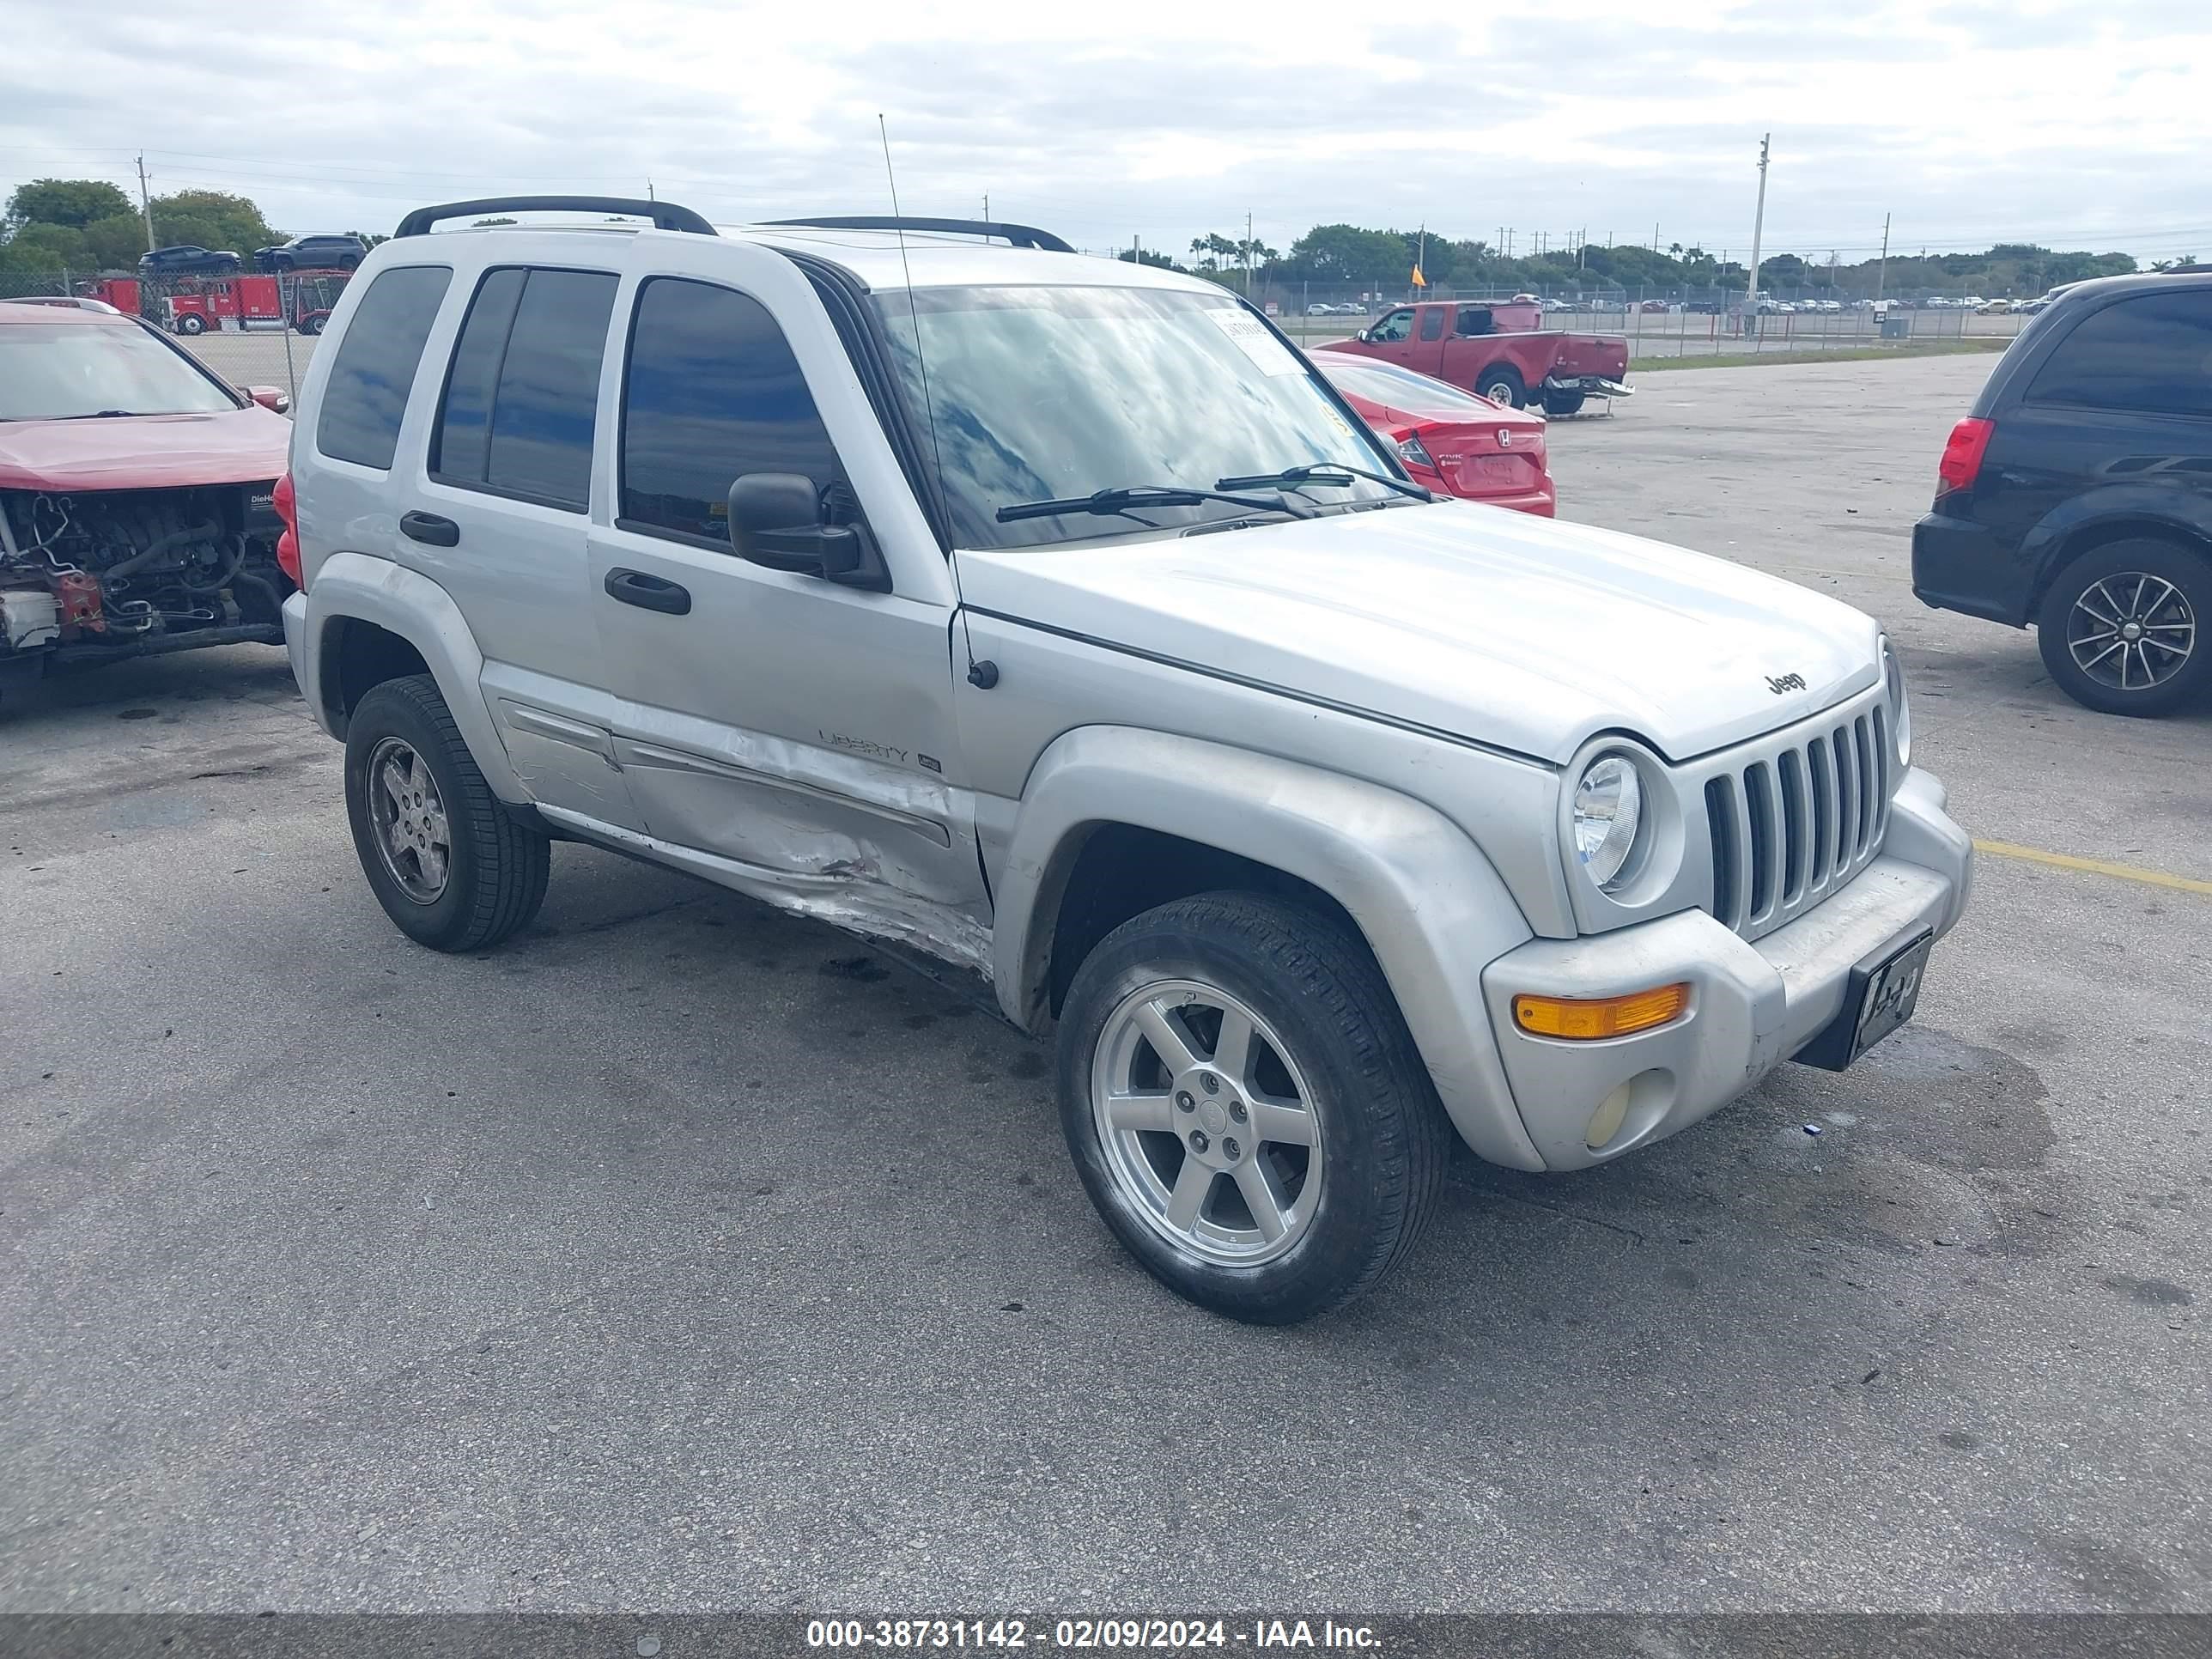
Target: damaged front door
(794, 727)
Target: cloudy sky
(2076, 123)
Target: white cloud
(2073, 122)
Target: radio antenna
(982, 675)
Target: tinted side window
(522, 396)
(2153, 353)
(463, 437)
(711, 391)
(1474, 320)
(1432, 323)
(366, 393)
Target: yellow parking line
(2005, 849)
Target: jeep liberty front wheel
(1245, 1106)
(451, 867)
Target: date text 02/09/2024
(1119, 1635)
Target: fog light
(1605, 1122)
(1586, 1019)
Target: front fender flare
(1430, 905)
(358, 587)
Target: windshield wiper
(100, 414)
(1111, 503)
(1326, 472)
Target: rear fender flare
(2107, 513)
(1430, 905)
(355, 586)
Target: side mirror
(1366, 336)
(270, 398)
(776, 520)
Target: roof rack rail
(1020, 235)
(79, 302)
(666, 215)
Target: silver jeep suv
(1051, 616)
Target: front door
(798, 730)
(1391, 336)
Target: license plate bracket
(1881, 994)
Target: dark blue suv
(2077, 496)
(313, 253)
(186, 259)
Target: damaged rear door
(794, 727)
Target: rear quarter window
(2150, 353)
(366, 393)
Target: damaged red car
(1450, 440)
(138, 510)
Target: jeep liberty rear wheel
(2119, 629)
(1501, 383)
(1245, 1106)
(451, 867)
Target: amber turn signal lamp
(1586, 1019)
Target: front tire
(451, 867)
(2119, 629)
(191, 323)
(1501, 383)
(1245, 1106)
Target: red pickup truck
(1498, 351)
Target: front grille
(1793, 819)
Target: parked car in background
(185, 259)
(1450, 440)
(1656, 307)
(1464, 345)
(313, 253)
(136, 494)
(1310, 817)
(2076, 497)
(1994, 308)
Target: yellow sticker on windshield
(1256, 341)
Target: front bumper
(1752, 1005)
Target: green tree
(212, 219)
(1147, 256)
(115, 243)
(43, 250)
(75, 202)
(1347, 253)
(482, 224)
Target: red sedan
(1451, 441)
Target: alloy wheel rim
(408, 816)
(2132, 631)
(1210, 1130)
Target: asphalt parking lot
(686, 1256)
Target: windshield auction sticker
(1255, 340)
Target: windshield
(1047, 393)
(1401, 388)
(52, 371)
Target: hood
(1526, 634)
(144, 451)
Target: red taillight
(1962, 455)
(287, 543)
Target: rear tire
(453, 869)
(1329, 1127)
(1501, 383)
(2121, 628)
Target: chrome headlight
(1900, 706)
(1608, 818)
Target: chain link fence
(251, 328)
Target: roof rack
(666, 215)
(1020, 235)
(78, 301)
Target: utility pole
(1655, 235)
(1758, 230)
(987, 206)
(145, 203)
(1881, 270)
(1248, 256)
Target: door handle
(430, 528)
(650, 592)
